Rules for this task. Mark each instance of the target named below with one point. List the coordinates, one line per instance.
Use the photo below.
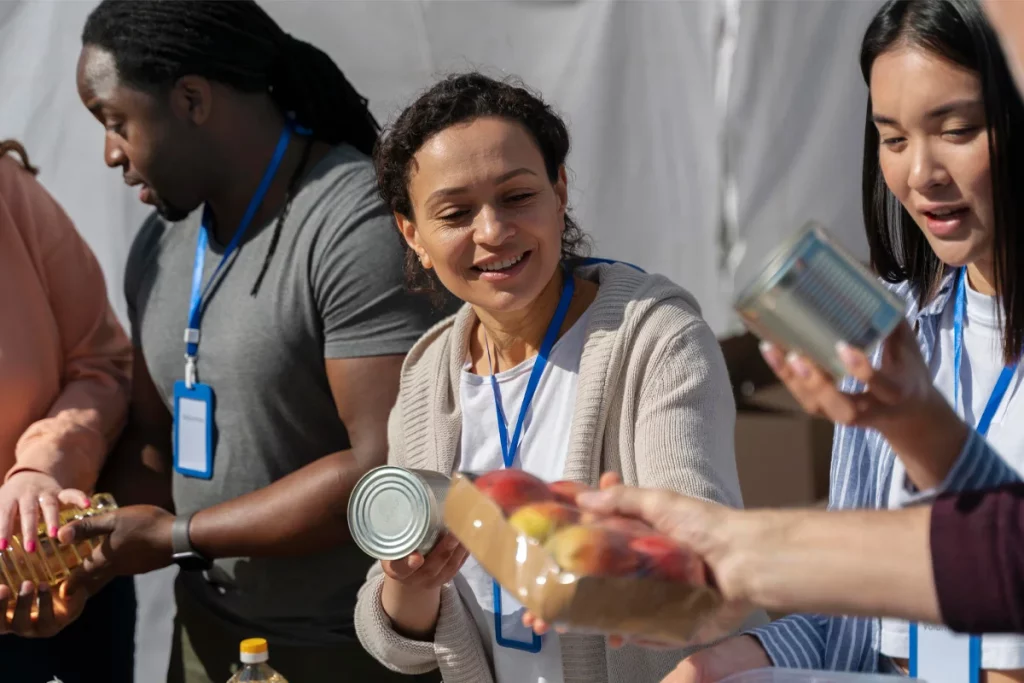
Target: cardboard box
(783, 454)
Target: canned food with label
(812, 294)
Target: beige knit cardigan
(653, 403)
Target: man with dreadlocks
(274, 267)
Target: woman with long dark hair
(943, 164)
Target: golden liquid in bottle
(52, 561)
(257, 673)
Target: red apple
(592, 551)
(511, 489)
(540, 520)
(663, 558)
(566, 491)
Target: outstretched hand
(693, 523)
(39, 611)
(129, 540)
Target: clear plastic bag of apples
(588, 573)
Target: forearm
(413, 611)
(302, 513)
(928, 442)
(867, 563)
(71, 443)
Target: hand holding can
(899, 401)
(899, 388)
(433, 570)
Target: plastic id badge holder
(938, 655)
(193, 430)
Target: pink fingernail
(53, 532)
(799, 365)
(846, 353)
(30, 546)
(3, 544)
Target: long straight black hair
(958, 31)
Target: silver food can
(394, 511)
(812, 294)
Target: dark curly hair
(462, 98)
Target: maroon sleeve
(977, 542)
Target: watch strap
(180, 541)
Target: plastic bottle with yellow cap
(255, 654)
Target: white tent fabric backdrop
(703, 131)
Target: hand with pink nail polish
(900, 385)
(28, 498)
(897, 399)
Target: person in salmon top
(65, 369)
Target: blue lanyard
(994, 400)
(195, 312)
(509, 448)
(1005, 377)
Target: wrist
(413, 610)
(28, 469)
(164, 526)
(49, 460)
(736, 553)
(927, 439)
(183, 550)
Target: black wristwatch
(182, 552)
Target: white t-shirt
(981, 364)
(542, 452)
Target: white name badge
(938, 655)
(193, 430)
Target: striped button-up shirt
(862, 467)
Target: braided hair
(236, 43)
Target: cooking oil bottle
(52, 561)
(254, 654)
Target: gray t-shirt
(333, 289)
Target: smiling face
(933, 151)
(146, 138)
(485, 216)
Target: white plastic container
(773, 675)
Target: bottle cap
(254, 651)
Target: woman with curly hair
(563, 366)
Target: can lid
(390, 513)
(254, 650)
